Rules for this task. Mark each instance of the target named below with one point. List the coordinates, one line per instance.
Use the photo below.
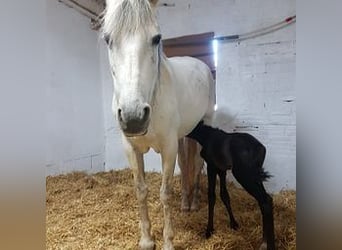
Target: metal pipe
(259, 32)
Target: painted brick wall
(74, 116)
(256, 77)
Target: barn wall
(255, 78)
(74, 93)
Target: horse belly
(193, 86)
(192, 111)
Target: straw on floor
(99, 211)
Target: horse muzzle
(134, 122)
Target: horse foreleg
(169, 154)
(196, 174)
(136, 162)
(190, 163)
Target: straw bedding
(99, 211)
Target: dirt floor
(100, 212)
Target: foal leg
(211, 171)
(226, 199)
(169, 154)
(266, 207)
(136, 162)
(257, 190)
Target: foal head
(134, 44)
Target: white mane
(126, 17)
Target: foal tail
(261, 174)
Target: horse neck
(164, 68)
(164, 89)
(164, 77)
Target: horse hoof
(185, 205)
(194, 207)
(147, 245)
(168, 246)
(185, 208)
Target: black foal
(245, 155)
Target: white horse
(157, 100)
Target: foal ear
(153, 2)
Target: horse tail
(208, 117)
(223, 118)
(262, 175)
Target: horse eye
(106, 38)
(156, 39)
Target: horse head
(134, 43)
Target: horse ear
(153, 2)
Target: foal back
(235, 150)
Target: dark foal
(244, 155)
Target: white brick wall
(74, 93)
(256, 77)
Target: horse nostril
(146, 113)
(119, 114)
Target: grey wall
(74, 93)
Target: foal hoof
(234, 225)
(208, 233)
